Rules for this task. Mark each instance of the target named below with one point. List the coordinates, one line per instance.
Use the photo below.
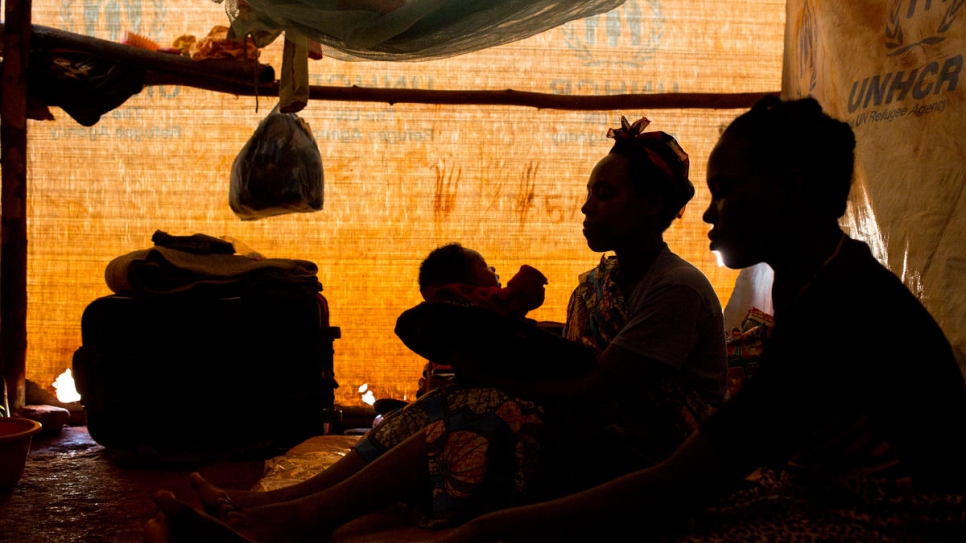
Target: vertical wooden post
(13, 199)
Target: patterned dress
(482, 447)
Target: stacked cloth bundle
(201, 265)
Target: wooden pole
(13, 200)
(536, 100)
(541, 100)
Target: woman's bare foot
(218, 502)
(177, 522)
(265, 521)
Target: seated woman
(861, 440)
(458, 452)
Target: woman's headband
(648, 140)
(661, 149)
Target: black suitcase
(185, 374)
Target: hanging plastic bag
(278, 171)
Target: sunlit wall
(399, 180)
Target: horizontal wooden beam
(482, 97)
(540, 100)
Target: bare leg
(394, 430)
(217, 501)
(397, 474)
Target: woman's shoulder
(671, 269)
(857, 279)
(673, 281)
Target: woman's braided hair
(797, 134)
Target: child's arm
(528, 286)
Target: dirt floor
(76, 491)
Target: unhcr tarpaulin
(399, 180)
(894, 72)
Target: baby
(468, 321)
(453, 273)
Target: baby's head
(453, 263)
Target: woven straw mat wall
(399, 180)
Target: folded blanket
(164, 271)
(304, 461)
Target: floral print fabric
(482, 446)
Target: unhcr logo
(918, 23)
(629, 35)
(912, 25)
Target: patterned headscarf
(661, 150)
